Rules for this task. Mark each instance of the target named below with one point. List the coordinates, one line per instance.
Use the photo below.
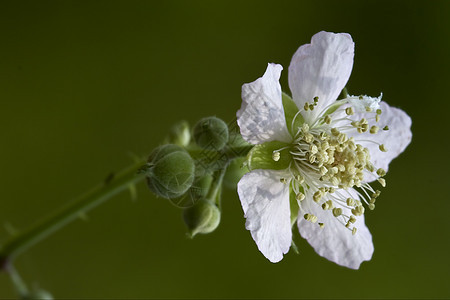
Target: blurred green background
(84, 83)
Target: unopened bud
(211, 133)
(170, 171)
(203, 217)
(179, 134)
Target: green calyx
(170, 171)
(291, 112)
(236, 169)
(262, 156)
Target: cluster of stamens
(327, 163)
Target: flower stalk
(41, 230)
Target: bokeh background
(85, 83)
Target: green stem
(18, 283)
(216, 185)
(112, 186)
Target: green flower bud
(203, 217)
(211, 133)
(170, 171)
(179, 134)
(200, 187)
(236, 169)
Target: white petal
(396, 139)
(265, 201)
(335, 242)
(321, 69)
(261, 117)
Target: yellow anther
(305, 127)
(349, 111)
(371, 206)
(368, 109)
(381, 172)
(276, 156)
(361, 97)
(351, 202)
(313, 149)
(335, 181)
(363, 121)
(382, 148)
(337, 212)
(370, 167)
(317, 196)
(354, 124)
(331, 190)
(342, 137)
(354, 230)
(358, 211)
(311, 106)
(316, 99)
(300, 196)
(309, 138)
(334, 131)
(378, 111)
(377, 118)
(364, 127)
(299, 178)
(352, 219)
(325, 206)
(330, 204)
(376, 194)
(323, 136)
(306, 106)
(327, 119)
(382, 182)
(321, 225)
(385, 128)
(348, 224)
(374, 129)
(372, 200)
(283, 180)
(310, 217)
(312, 159)
(323, 170)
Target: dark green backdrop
(84, 83)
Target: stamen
(349, 111)
(358, 210)
(310, 217)
(337, 212)
(381, 172)
(300, 196)
(374, 129)
(382, 148)
(276, 156)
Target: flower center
(327, 163)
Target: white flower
(315, 155)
